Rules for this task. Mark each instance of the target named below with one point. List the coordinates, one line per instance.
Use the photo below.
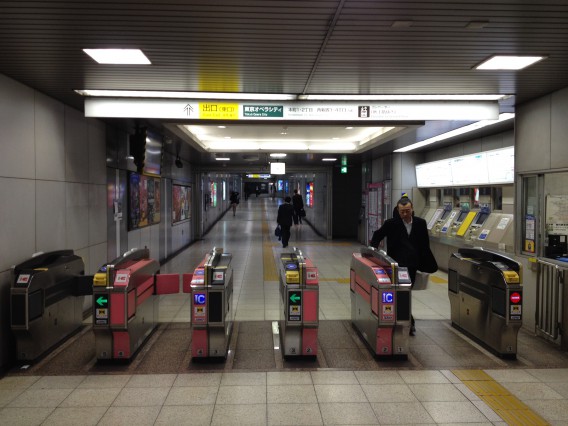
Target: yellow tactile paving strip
(508, 407)
(268, 264)
(438, 280)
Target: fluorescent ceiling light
(118, 56)
(222, 158)
(329, 159)
(508, 62)
(185, 95)
(278, 155)
(493, 97)
(457, 132)
(332, 147)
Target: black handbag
(302, 213)
(278, 231)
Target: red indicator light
(515, 297)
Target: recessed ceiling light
(401, 24)
(227, 137)
(118, 56)
(508, 62)
(329, 159)
(459, 131)
(222, 127)
(349, 128)
(222, 158)
(278, 155)
(334, 138)
(492, 97)
(185, 95)
(476, 25)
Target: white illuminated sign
(294, 111)
(277, 168)
(484, 168)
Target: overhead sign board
(191, 109)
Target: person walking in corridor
(298, 204)
(284, 219)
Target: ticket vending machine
(125, 303)
(212, 313)
(485, 292)
(46, 301)
(380, 302)
(299, 305)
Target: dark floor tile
(254, 360)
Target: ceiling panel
(287, 46)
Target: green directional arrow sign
(102, 301)
(295, 298)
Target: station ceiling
(335, 47)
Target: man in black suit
(284, 219)
(407, 242)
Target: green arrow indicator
(295, 298)
(101, 301)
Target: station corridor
(447, 378)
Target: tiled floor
(389, 396)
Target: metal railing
(550, 299)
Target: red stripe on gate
(117, 309)
(167, 283)
(309, 341)
(199, 343)
(120, 344)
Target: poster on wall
(310, 194)
(213, 187)
(181, 203)
(143, 201)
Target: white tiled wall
(52, 184)
(52, 176)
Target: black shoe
(284, 246)
(412, 330)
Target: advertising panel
(143, 201)
(181, 203)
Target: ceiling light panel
(508, 62)
(118, 56)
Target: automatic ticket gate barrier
(46, 301)
(299, 305)
(125, 303)
(212, 313)
(380, 302)
(486, 298)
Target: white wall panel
(17, 221)
(97, 152)
(532, 145)
(133, 241)
(76, 147)
(97, 258)
(16, 122)
(77, 215)
(50, 216)
(97, 214)
(145, 238)
(472, 146)
(559, 130)
(49, 138)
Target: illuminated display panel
(488, 167)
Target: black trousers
(285, 234)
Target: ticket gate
(299, 305)
(125, 303)
(380, 302)
(212, 313)
(485, 292)
(46, 301)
